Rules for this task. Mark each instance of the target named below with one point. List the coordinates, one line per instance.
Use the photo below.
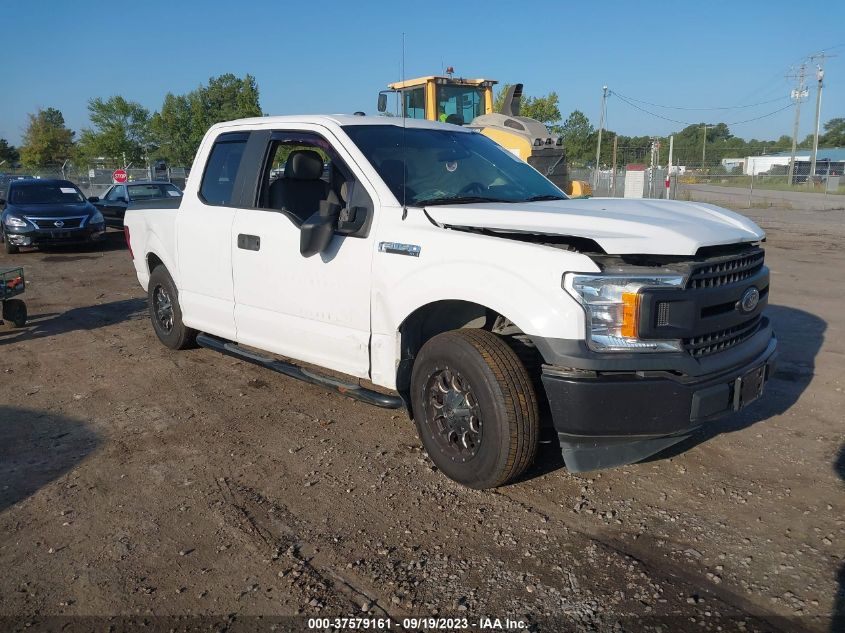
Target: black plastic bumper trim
(624, 404)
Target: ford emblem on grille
(749, 300)
(58, 223)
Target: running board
(358, 392)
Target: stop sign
(119, 176)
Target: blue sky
(329, 56)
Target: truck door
(204, 237)
(315, 309)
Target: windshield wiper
(456, 200)
(545, 197)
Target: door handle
(249, 242)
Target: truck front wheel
(475, 408)
(165, 312)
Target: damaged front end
(677, 343)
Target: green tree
(171, 130)
(47, 141)
(834, 133)
(544, 108)
(9, 154)
(225, 98)
(577, 133)
(184, 119)
(120, 127)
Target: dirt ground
(190, 489)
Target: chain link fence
(95, 178)
(622, 183)
(696, 184)
(738, 191)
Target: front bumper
(42, 237)
(609, 418)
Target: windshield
(459, 104)
(45, 193)
(153, 190)
(447, 166)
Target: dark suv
(44, 212)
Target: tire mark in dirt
(660, 569)
(271, 526)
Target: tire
(165, 312)
(11, 249)
(14, 311)
(475, 408)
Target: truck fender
(153, 254)
(536, 306)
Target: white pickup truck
(438, 272)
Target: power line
(668, 107)
(786, 107)
(665, 118)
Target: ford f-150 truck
(417, 264)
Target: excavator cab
(470, 102)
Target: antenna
(404, 159)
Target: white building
(755, 165)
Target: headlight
(612, 305)
(97, 218)
(16, 222)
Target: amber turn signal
(630, 314)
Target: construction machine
(470, 102)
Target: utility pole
(613, 174)
(598, 145)
(669, 167)
(799, 93)
(704, 147)
(820, 79)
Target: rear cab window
(221, 169)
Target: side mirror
(317, 231)
(351, 219)
(382, 102)
(123, 200)
(94, 199)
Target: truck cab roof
(333, 119)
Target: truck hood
(620, 226)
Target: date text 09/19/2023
(416, 623)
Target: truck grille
(728, 271)
(733, 270)
(708, 316)
(721, 340)
(50, 223)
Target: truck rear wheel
(165, 312)
(475, 408)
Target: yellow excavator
(470, 102)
